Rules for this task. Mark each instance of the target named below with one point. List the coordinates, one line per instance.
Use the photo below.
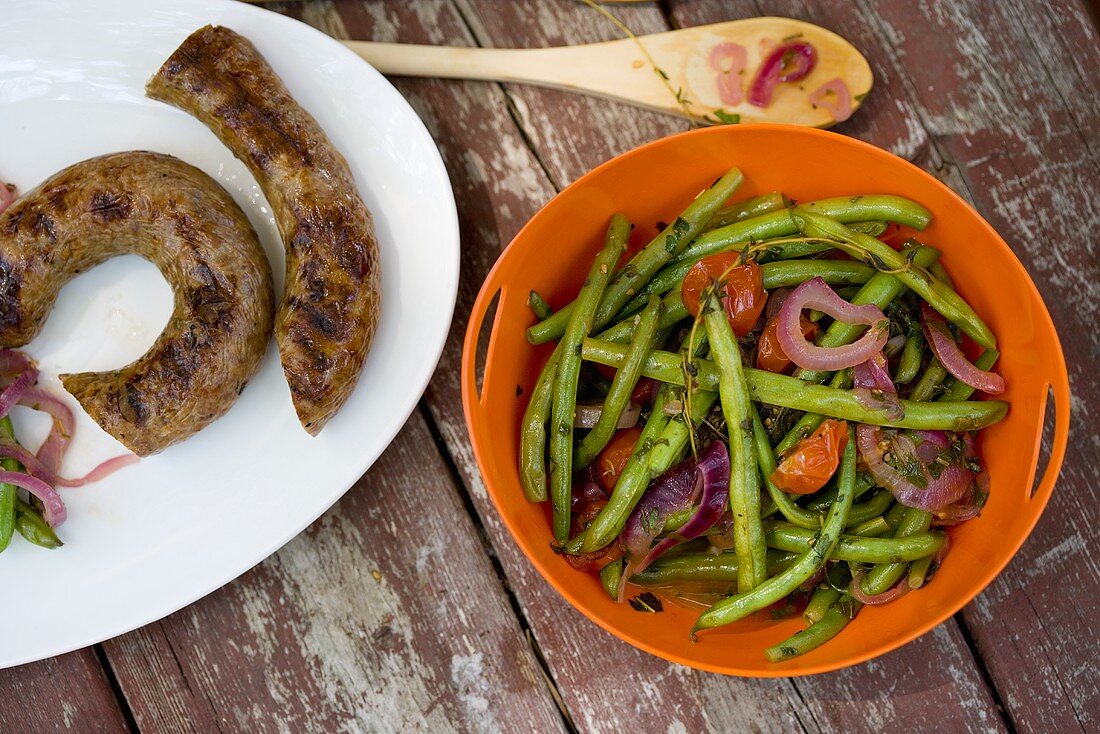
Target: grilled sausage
(181, 220)
(329, 311)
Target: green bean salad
(766, 410)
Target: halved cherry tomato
(810, 464)
(896, 235)
(644, 392)
(612, 460)
(591, 561)
(743, 285)
(769, 355)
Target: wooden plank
(386, 614)
(1020, 128)
(66, 693)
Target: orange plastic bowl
(551, 255)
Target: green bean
(939, 295)
(7, 491)
(540, 307)
(826, 594)
(610, 575)
(823, 598)
(532, 443)
(883, 576)
(704, 567)
(876, 527)
(894, 515)
(765, 457)
(785, 536)
(870, 509)
(918, 572)
(930, 383)
(661, 445)
(775, 588)
(790, 392)
(740, 210)
(636, 273)
(32, 527)
(564, 399)
(780, 274)
(941, 273)
(625, 379)
(818, 633)
(873, 228)
(820, 502)
(781, 224)
(744, 490)
(958, 390)
(909, 362)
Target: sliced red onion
(816, 294)
(588, 414)
(801, 55)
(56, 444)
(714, 471)
(951, 357)
(776, 299)
(937, 491)
(874, 389)
(36, 468)
(901, 589)
(672, 492)
(7, 195)
(834, 96)
(14, 363)
(15, 392)
(53, 509)
(729, 78)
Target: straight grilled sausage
(329, 310)
(182, 221)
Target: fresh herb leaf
(647, 602)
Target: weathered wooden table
(407, 607)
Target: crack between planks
(1061, 684)
(116, 688)
(983, 670)
(494, 560)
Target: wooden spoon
(622, 70)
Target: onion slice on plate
(729, 78)
(53, 509)
(787, 62)
(834, 96)
(951, 357)
(7, 195)
(13, 393)
(816, 294)
(56, 444)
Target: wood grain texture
(385, 615)
(69, 693)
(1025, 147)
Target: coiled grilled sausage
(329, 311)
(181, 220)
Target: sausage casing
(329, 311)
(181, 220)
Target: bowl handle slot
(484, 318)
(1041, 488)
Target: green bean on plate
(766, 412)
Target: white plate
(159, 535)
